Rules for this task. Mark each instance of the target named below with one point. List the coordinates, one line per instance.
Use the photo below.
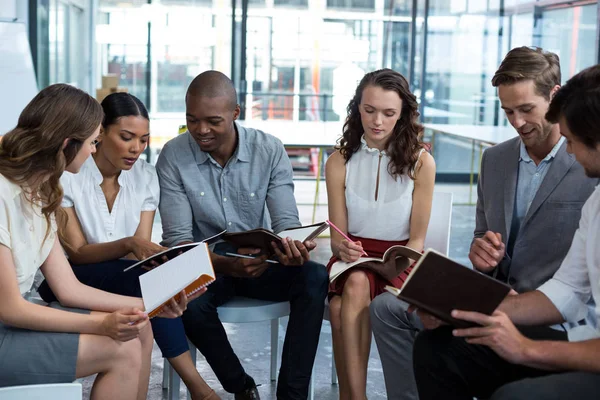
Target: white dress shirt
(575, 287)
(23, 230)
(388, 217)
(139, 191)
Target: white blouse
(23, 230)
(139, 191)
(388, 216)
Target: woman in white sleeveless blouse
(380, 187)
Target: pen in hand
(338, 230)
(249, 257)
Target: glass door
(570, 32)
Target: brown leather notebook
(395, 260)
(439, 285)
(261, 238)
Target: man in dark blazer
(530, 194)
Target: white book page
(299, 234)
(339, 267)
(170, 278)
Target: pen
(338, 230)
(250, 257)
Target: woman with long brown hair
(380, 187)
(111, 204)
(56, 132)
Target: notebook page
(170, 278)
(298, 233)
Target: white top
(22, 230)
(388, 217)
(139, 192)
(575, 287)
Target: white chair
(238, 310)
(52, 391)
(438, 238)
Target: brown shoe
(248, 394)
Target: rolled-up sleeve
(280, 193)
(175, 209)
(569, 289)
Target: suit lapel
(557, 170)
(511, 169)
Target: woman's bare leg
(335, 318)
(186, 369)
(356, 332)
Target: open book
(174, 251)
(262, 238)
(395, 260)
(191, 271)
(439, 285)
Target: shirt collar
(124, 178)
(241, 153)
(366, 147)
(524, 156)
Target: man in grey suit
(530, 194)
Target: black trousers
(305, 287)
(447, 367)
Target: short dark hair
(529, 63)
(119, 105)
(213, 84)
(578, 101)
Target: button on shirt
(530, 178)
(139, 191)
(200, 198)
(23, 230)
(576, 284)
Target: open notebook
(439, 285)
(261, 238)
(191, 271)
(175, 251)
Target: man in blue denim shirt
(220, 175)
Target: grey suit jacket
(547, 230)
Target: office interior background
(295, 63)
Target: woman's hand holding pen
(349, 251)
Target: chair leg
(166, 366)
(274, 348)
(334, 377)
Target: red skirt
(374, 248)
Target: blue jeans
(305, 287)
(109, 276)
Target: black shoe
(248, 394)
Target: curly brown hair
(32, 154)
(405, 141)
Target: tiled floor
(252, 341)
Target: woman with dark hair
(110, 207)
(380, 187)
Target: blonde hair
(32, 154)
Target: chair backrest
(438, 231)
(53, 391)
